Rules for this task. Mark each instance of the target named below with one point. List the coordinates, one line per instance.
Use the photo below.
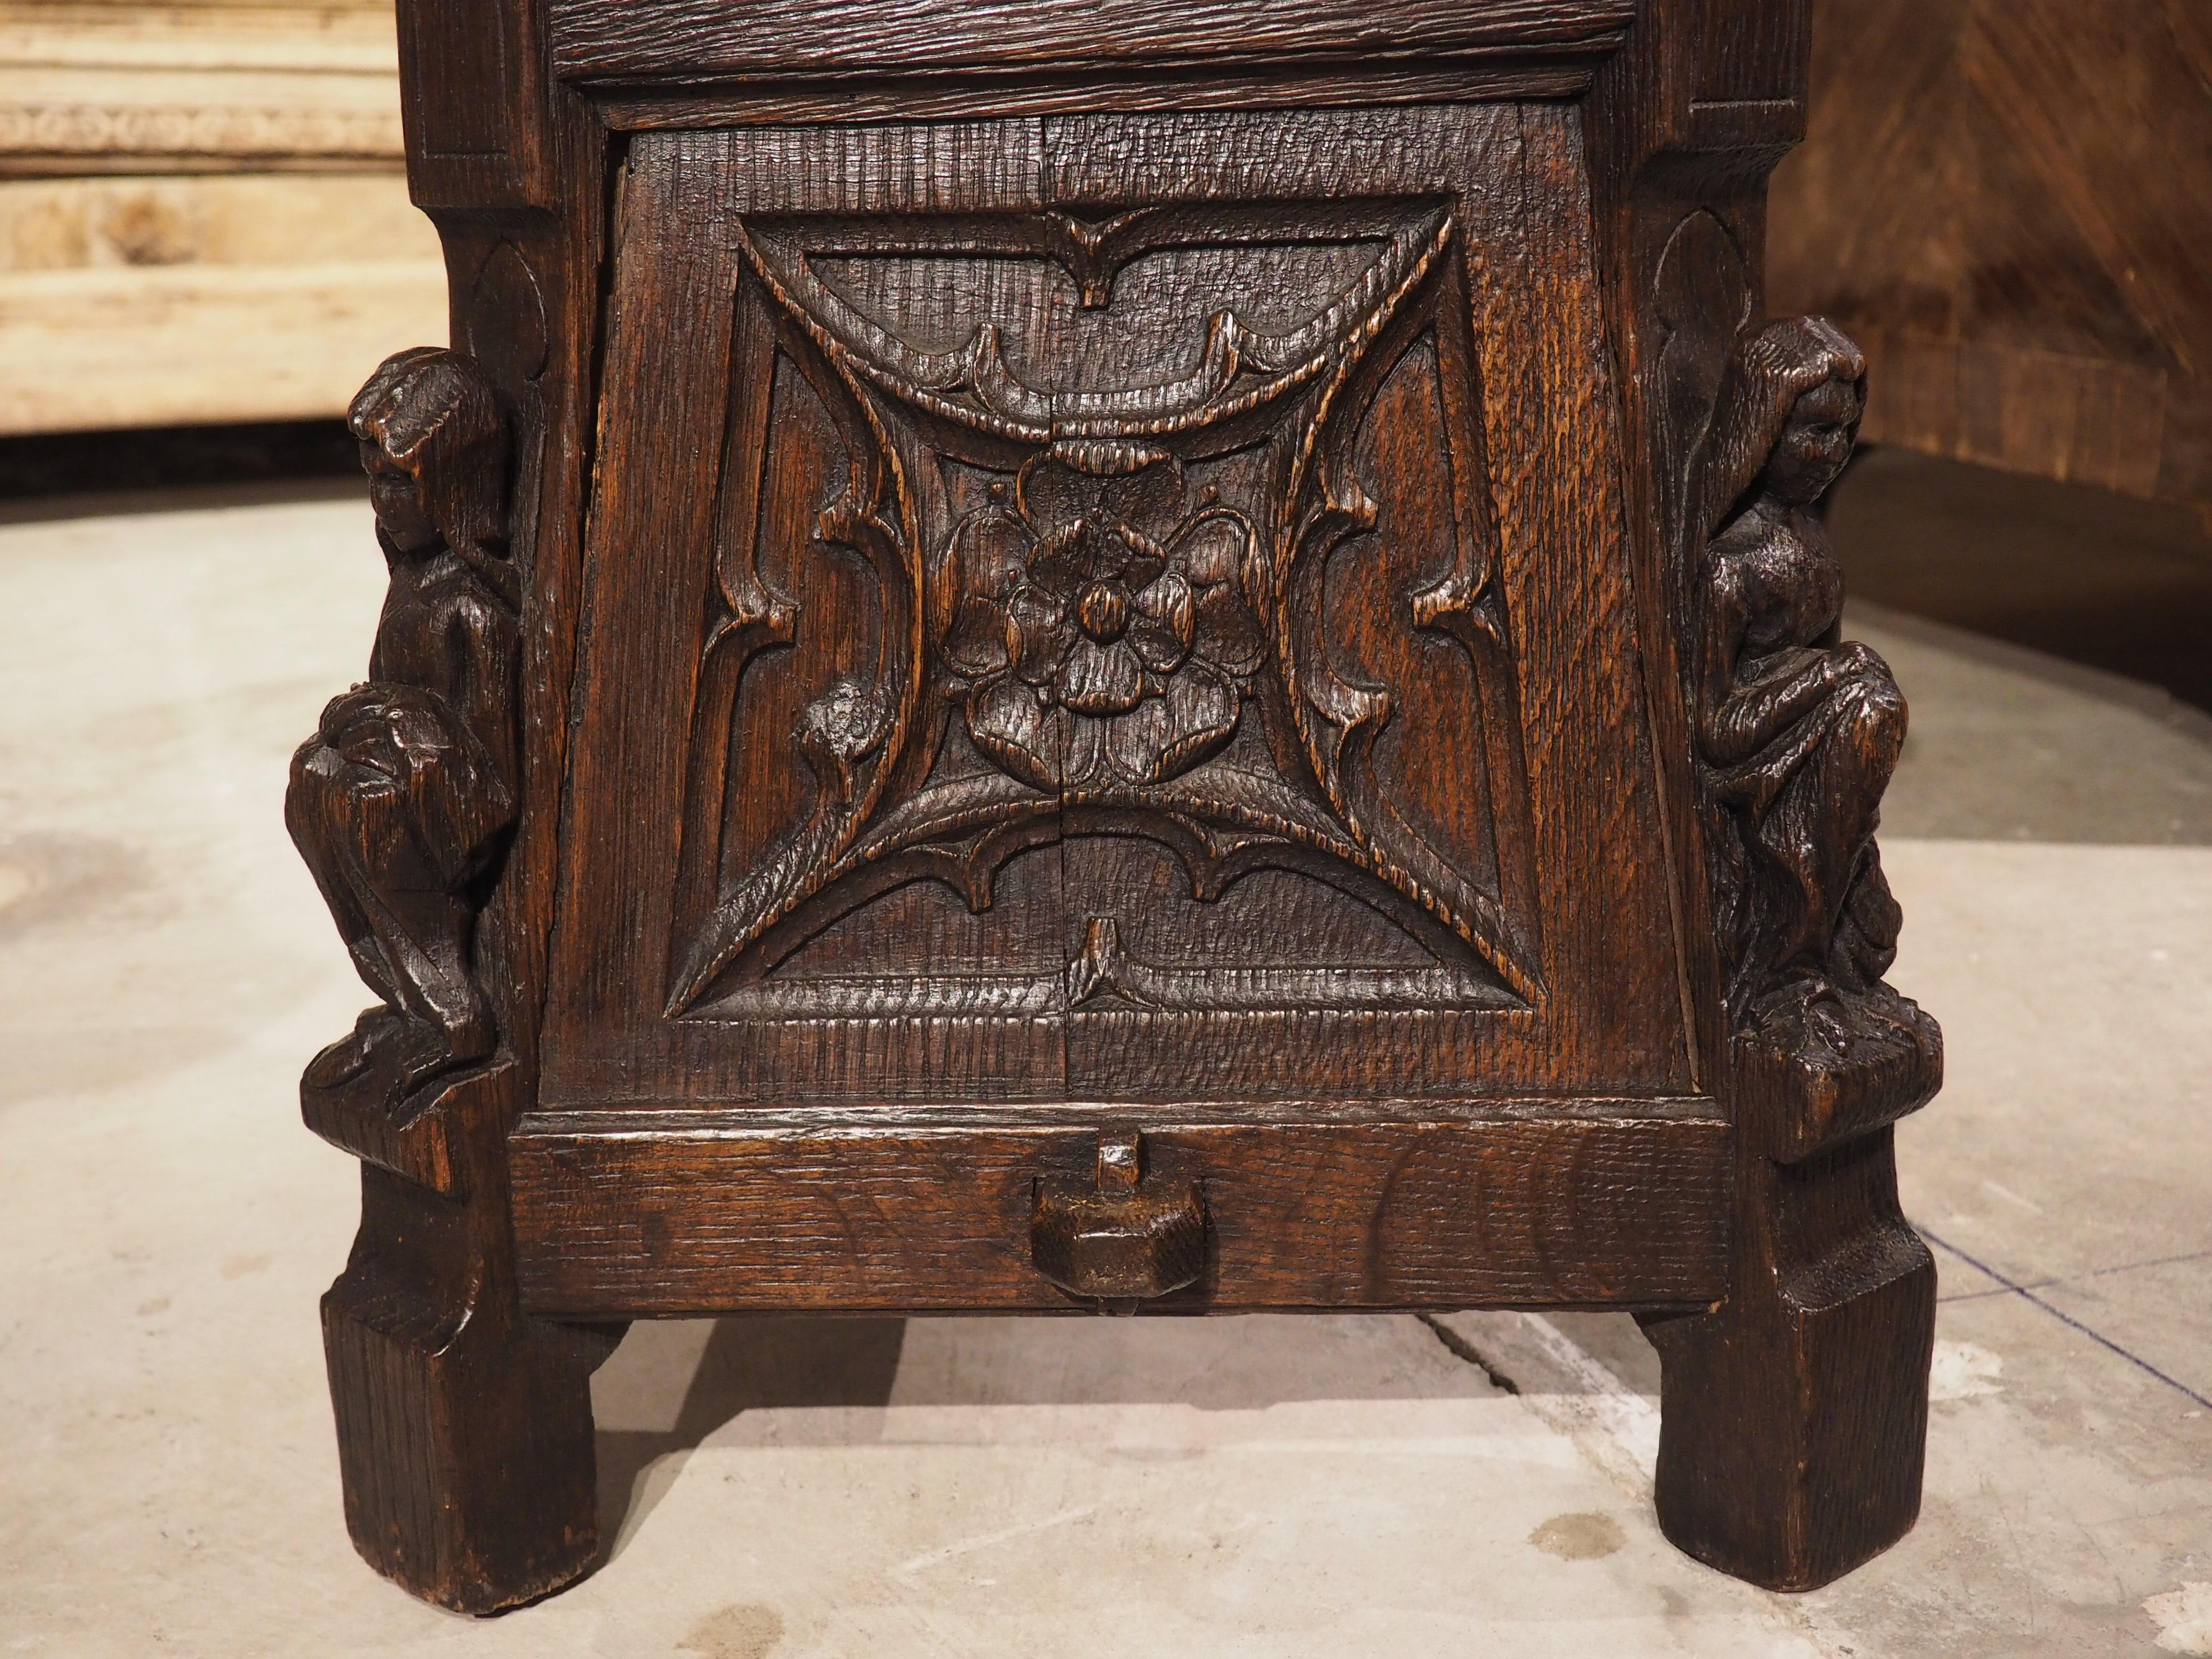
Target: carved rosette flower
(1102, 635)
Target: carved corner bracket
(403, 801)
(1797, 733)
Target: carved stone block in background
(203, 217)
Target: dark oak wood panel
(478, 140)
(1495, 673)
(1046, 656)
(920, 97)
(691, 39)
(1617, 1206)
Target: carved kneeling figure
(401, 801)
(1798, 732)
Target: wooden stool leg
(1795, 1417)
(465, 1429)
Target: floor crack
(1461, 1348)
(2028, 1294)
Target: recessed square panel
(1105, 668)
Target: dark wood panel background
(1515, 736)
(2008, 204)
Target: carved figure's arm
(398, 802)
(1754, 713)
(479, 644)
(1747, 699)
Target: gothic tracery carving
(1143, 568)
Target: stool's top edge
(695, 39)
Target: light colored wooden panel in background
(89, 87)
(193, 35)
(227, 219)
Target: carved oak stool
(1142, 658)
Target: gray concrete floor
(1347, 1487)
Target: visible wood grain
(340, 36)
(1617, 1204)
(401, 801)
(1505, 635)
(413, 1137)
(1798, 730)
(1798, 1103)
(1795, 1412)
(1120, 1238)
(1138, 700)
(88, 118)
(1750, 53)
(191, 345)
(654, 107)
(2007, 205)
(479, 132)
(463, 1428)
(1582, 703)
(694, 37)
(1794, 1418)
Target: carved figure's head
(1788, 418)
(434, 445)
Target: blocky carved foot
(465, 1428)
(1795, 1417)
